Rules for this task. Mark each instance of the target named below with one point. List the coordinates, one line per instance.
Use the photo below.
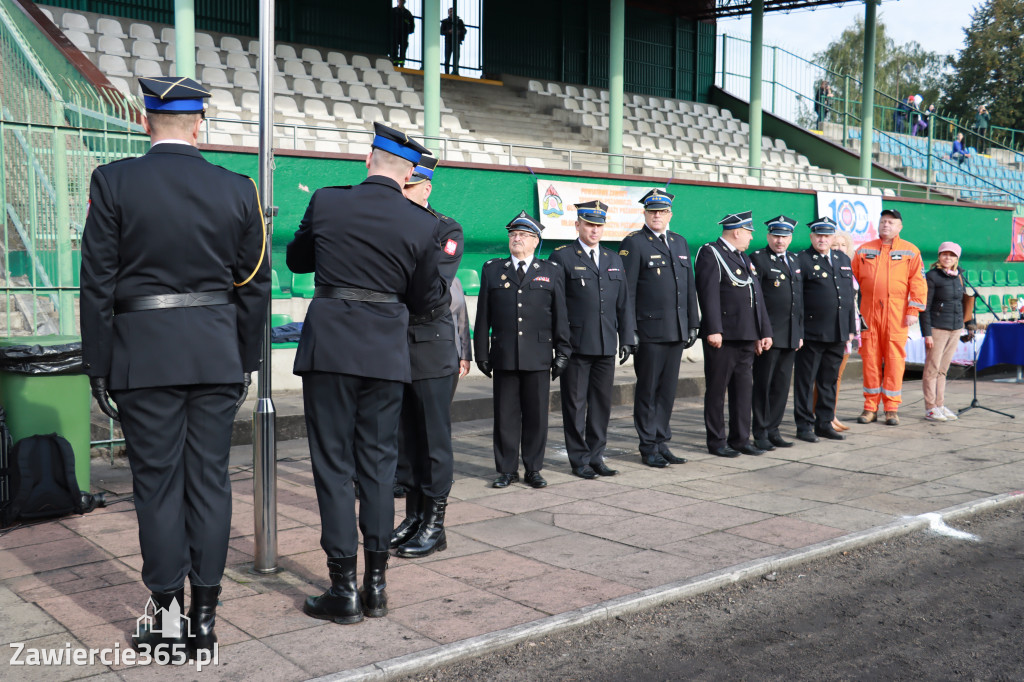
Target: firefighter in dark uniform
(829, 309)
(375, 255)
(175, 287)
(734, 329)
(521, 333)
(659, 274)
(783, 291)
(598, 302)
(425, 459)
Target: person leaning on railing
(941, 322)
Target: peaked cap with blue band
(397, 143)
(781, 225)
(173, 95)
(524, 221)
(823, 225)
(593, 212)
(424, 170)
(735, 221)
(657, 200)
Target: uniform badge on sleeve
(450, 247)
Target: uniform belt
(167, 301)
(428, 317)
(348, 294)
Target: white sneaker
(935, 415)
(949, 414)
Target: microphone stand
(974, 346)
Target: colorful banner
(557, 198)
(854, 213)
(1017, 242)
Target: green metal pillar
(756, 48)
(432, 73)
(65, 276)
(867, 114)
(185, 38)
(616, 83)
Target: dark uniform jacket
(829, 302)
(661, 283)
(782, 286)
(366, 236)
(432, 347)
(520, 327)
(736, 311)
(945, 307)
(597, 299)
(165, 223)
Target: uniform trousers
(728, 369)
(352, 423)
(883, 356)
(773, 373)
(817, 366)
(521, 401)
(425, 459)
(657, 378)
(178, 441)
(586, 388)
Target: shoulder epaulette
(559, 248)
(634, 232)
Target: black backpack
(37, 480)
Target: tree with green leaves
(989, 69)
(900, 70)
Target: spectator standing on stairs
(981, 124)
(402, 26)
(821, 102)
(454, 32)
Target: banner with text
(557, 198)
(1017, 241)
(856, 214)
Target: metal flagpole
(264, 417)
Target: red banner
(1017, 243)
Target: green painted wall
(484, 201)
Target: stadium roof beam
(736, 8)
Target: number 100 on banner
(856, 214)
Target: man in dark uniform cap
(175, 286)
(425, 459)
(598, 302)
(375, 255)
(779, 276)
(829, 310)
(521, 333)
(659, 274)
(735, 328)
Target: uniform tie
(593, 257)
(663, 240)
(520, 272)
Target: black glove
(99, 391)
(485, 367)
(692, 337)
(246, 383)
(558, 365)
(625, 352)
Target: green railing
(789, 86)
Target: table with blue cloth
(1004, 345)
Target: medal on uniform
(738, 271)
(817, 267)
(782, 277)
(824, 275)
(504, 277)
(506, 285)
(776, 283)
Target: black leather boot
(202, 615)
(375, 599)
(341, 602)
(411, 523)
(430, 537)
(169, 605)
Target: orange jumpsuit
(892, 286)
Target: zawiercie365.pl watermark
(162, 654)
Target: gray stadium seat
(143, 49)
(147, 68)
(316, 109)
(216, 78)
(112, 46)
(346, 112)
(306, 88)
(361, 62)
(209, 57)
(311, 56)
(239, 60)
(80, 40)
(246, 80)
(321, 71)
(332, 90)
(113, 66)
(336, 59)
(372, 79)
(396, 81)
(346, 74)
(110, 27)
(75, 22)
(222, 100)
(231, 45)
(204, 41)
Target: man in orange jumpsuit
(893, 292)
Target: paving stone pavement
(514, 555)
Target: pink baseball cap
(952, 247)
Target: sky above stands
(936, 24)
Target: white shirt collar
(526, 262)
(172, 142)
(587, 249)
(728, 245)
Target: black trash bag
(65, 358)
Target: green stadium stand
(1006, 300)
(302, 284)
(996, 303)
(276, 320)
(971, 275)
(275, 286)
(986, 278)
(1000, 278)
(1011, 278)
(470, 281)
